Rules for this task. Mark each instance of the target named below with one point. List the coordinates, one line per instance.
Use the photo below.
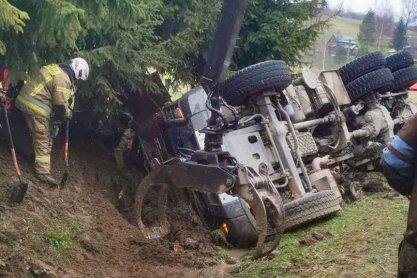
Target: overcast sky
(364, 5)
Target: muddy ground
(79, 232)
(86, 231)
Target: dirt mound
(372, 182)
(315, 236)
(78, 232)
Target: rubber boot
(48, 179)
(407, 260)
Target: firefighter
(126, 177)
(123, 149)
(2, 92)
(399, 167)
(3, 84)
(46, 101)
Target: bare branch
(409, 11)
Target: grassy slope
(412, 96)
(365, 240)
(344, 26)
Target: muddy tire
(311, 208)
(370, 82)
(400, 60)
(403, 79)
(255, 79)
(362, 65)
(355, 189)
(242, 231)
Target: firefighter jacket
(52, 87)
(4, 73)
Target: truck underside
(262, 152)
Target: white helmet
(80, 68)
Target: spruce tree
(11, 19)
(399, 39)
(280, 29)
(367, 33)
(124, 40)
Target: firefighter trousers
(407, 257)
(42, 142)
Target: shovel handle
(9, 130)
(67, 124)
(66, 153)
(14, 159)
(66, 174)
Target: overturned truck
(261, 151)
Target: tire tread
(254, 79)
(403, 79)
(400, 60)
(377, 80)
(362, 65)
(311, 208)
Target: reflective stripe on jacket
(52, 87)
(399, 157)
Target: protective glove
(68, 114)
(59, 112)
(62, 113)
(2, 97)
(55, 128)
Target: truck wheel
(255, 79)
(370, 82)
(400, 60)
(361, 66)
(403, 79)
(311, 208)
(242, 231)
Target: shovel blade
(18, 192)
(64, 180)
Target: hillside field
(340, 26)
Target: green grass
(94, 214)
(61, 238)
(412, 96)
(364, 243)
(56, 260)
(74, 227)
(343, 26)
(221, 254)
(77, 206)
(58, 240)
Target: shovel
(66, 174)
(19, 188)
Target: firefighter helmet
(80, 68)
